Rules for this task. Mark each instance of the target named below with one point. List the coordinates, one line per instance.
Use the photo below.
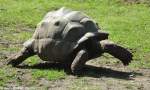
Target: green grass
(128, 25)
(32, 60)
(2, 79)
(6, 76)
(48, 74)
(83, 84)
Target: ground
(127, 21)
(96, 76)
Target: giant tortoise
(69, 37)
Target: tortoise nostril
(57, 23)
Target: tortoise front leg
(79, 61)
(117, 51)
(20, 57)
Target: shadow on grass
(90, 71)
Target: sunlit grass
(128, 25)
(48, 74)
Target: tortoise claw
(14, 61)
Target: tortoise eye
(57, 23)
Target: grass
(5, 76)
(48, 74)
(83, 84)
(32, 60)
(2, 79)
(128, 25)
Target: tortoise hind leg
(117, 51)
(20, 57)
(79, 61)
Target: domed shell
(64, 24)
(57, 34)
